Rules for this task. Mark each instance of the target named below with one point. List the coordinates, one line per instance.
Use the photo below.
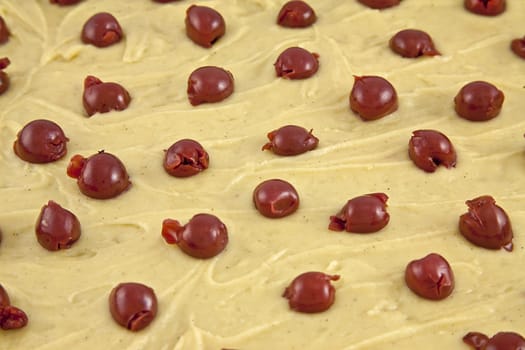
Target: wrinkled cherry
(203, 237)
(429, 148)
(275, 198)
(64, 2)
(100, 176)
(291, 140)
(499, 341)
(296, 14)
(372, 97)
(4, 297)
(12, 317)
(204, 25)
(485, 7)
(486, 224)
(413, 43)
(479, 101)
(4, 78)
(430, 277)
(311, 292)
(185, 158)
(4, 31)
(518, 47)
(133, 305)
(41, 141)
(102, 30)
(296, 63)
(362, 214)
(380, 4)
(209, 84)
(101, 97)
(56, 228)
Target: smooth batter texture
(234, 300)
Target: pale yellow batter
(234, 300)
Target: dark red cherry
(209, 84)
(429, 149)
(275, 198)
(57, 228)
(203, 237)
(164, 1)
(518, 47)
(486, 7)
(41, 141)
(380, 4)
(499, 341)
(4, 297)
(186, 158)
(12, 317)
(100, 176)
(291, 140)
(362, 214)
(101, 97)
(430, 277)
(204, 25)
(102, 30)
(133, 305)
(311, 292)
(4, 78)
(64, 2)
(372, 97)
(4, 31)
(479, 101)
(296, 63)
(296, 14)
(413, 43)
(486, 224)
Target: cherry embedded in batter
(104, 97)
(486, 224)
(486, 7)
(479, 101)
(100, 176)
(203, 237)
(412, 43)
(372, 97)
(64, 2)
(57, 228)
(133, 305)
(296, 14)
(291, 140)
(204, 25)
(296, 63)
(12, 317)
(4, 31)
(499, 341)
(429, 149)
(209, 85)
(311, 292)
(185, 158)
(41, 141)
(4, 297)
(102, 30)
(430, 277)
(518, 47)
(380, 4)
(362, 214)
(165, 1)
(275, 198)
(4, 78)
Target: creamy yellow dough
(234, 300)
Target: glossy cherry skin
(296, 14)
(275, 198)
(57, 228)
(291, 140)
(430, 277)
(133, 305)
(311, 292)
(362, 214)
(4, 78)
(486, 7)
(203, 237)
(12, 317)
(518, 47)
(380, 4)
(64, 2)
(186, 158)
(412, 43)
(479, 101)
(4, 297)
(204, 25)
(429, 149)
(296, 63)
(4, 31)
(372, 97)
(102, 97)
(486, 224)
(102, 30)
(499, 341)
(209, 85)
(100, 176)
(41, 141)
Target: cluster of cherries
(104, 176)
